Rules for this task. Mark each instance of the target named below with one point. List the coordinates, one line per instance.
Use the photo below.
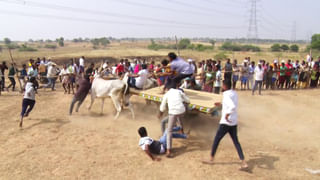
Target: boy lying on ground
(151, 146)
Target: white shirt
(81, 62)
(229, 106)
(258, 73)
(217, 82)
(29, 91)
(114, 69)
(63, 72)
(175, 99)
(144, 141)
(141, 80)
(52, 72)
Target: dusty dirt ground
(279, 133)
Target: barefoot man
(228, 123)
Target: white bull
(117, 89)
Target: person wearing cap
(52, 74)
(28, 101)
(228, 124)
(259, 72)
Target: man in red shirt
(288, 73)
(120, 68)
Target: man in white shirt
(228, 123)
(258, 74)
(81, 63)
(141, 78)
(217, 82)
(51, 75)
(28, 101)
(175, 98)
(150, 146)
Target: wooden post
(15, 69)
(177, 45)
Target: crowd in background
(207, 74)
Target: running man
(228, 123)
(81, 94)
(28, 99)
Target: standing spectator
(259, 72)
(81, 64)
(217, 82)
(120, 68)
(251, 74)
(282, 77)
(244, 75)
(228, 71)
(151, 67)
(209, 79)
(314, 76)
(269, 77)
(303, 75)
(3, 69)
(288, 73)
(235, 75)
(12, 72)
(52, 76)
(228, 124)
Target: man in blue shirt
(180, 67)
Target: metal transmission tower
(253, 25)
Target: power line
(139, 4)
(88, 11)
(201, 8)
(90, 20)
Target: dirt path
(279, 133)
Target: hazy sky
(43, 19)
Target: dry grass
(139, 48)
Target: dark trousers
(255, 86)
(75, 99)
(2, 82)
(13, 83)
(27, 106)
(288, 78)
(228, 76)
(217, 90)
(223, 130)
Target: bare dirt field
(279, 133)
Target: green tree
(212, 42)
(184, 43)
(275, 48)
(284, 47)
(315, 41)
(294, 48)
(104, 41)
(60, 41)
(7, 41)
